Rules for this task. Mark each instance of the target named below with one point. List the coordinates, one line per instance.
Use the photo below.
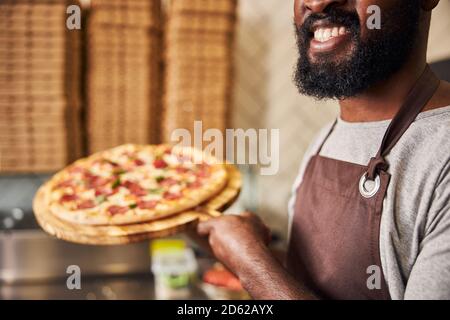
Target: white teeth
(335, 32)
(325, 34)
(320, 34)
(316, 34)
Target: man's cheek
(298, 12)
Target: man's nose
(319, 6)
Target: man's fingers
(204, 228)
(199, 240)
(253, 217)
(247, 214)
(257, 219)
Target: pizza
(132, 184)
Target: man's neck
(382, 101)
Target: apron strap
(418, 97)
(326, 137)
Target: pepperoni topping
(168, 182)
(68, 197)
(96, 181)
(138, 162)
(182, 170)
(195, 185)
(135, 188)
(87, 204)
(160, 164)
(105, 192)
(113, 210)
(203, 173)
(184, 158)
(172, 196)
(147, 204)
(65, 184)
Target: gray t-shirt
(415, 226)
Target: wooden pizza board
(125, 234)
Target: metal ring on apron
(364, 191)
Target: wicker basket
(199, 38)
(123, 90)
(39, 89)
(205, 6)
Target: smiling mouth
(322, 34)
(327, 38)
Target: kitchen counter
(136, 287)
(33, 266)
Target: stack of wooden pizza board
(199, 38)
(125, 234)
(123, 78)
(38, 82)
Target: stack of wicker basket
(38, 56)
(198, 59)
(123, 81)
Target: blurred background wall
(265, 97)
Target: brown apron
(334, 246)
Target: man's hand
(240, 243)
(236, 240)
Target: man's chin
(328, 64)
(336, 59)
(328, 78)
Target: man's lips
(327, 37)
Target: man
(370, 213)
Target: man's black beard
(372, 61)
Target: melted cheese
(171, 159)
(133, 176)
(148, 184)
(87, 195)
(121, 198)
(175, 189)
(152, 197)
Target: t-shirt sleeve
(430, 275)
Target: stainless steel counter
(32, 255)
(33, 266)
(109, 288)
(136, 287)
